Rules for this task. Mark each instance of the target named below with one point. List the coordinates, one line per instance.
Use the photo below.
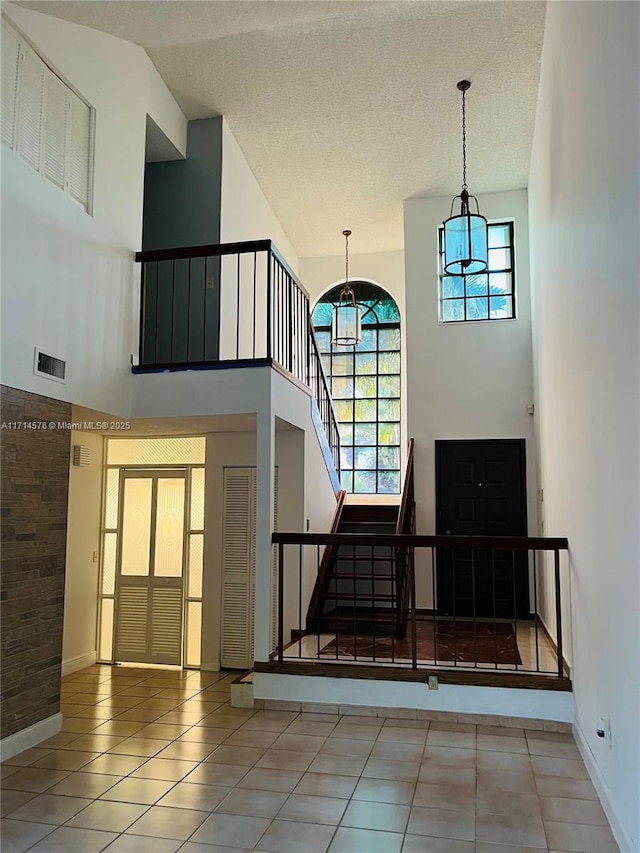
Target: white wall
(202, 392)
(539, 705)
(245, 213)
(464, 380)
(291, 506)
(293, 405)
(319, 501)
(69, 281)
(81, 572)
(384, 268)
(585, 221)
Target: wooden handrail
(499, 543)
(321, 373)
(407, 489)
(326, 558)
(213, 250)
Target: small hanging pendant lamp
(345, 328)
(465, 235)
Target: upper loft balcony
(231, 306)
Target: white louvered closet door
(238, 566)
(149, 590)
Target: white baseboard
(619, 833)
(31, 736)
(78, 662)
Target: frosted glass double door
(151, 567)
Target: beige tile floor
(152, 760)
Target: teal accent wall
(182, 208)
(182, 197)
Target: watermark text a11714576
(45, 426)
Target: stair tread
(388, 615)
(360, 596)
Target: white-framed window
(481, 296)
(45, 121)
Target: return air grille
(49, 365)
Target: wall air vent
(81, 455)
(49, 366)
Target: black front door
(481, 491)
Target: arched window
(365, 387)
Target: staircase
(365, 589)
(358, 590)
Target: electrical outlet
(95, 556)
(433, 682)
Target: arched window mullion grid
(365, 387)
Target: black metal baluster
(204, 311)
(373, 609)
(238, 306)
(218, 291)
(280, 603)
(320, 605)
(394, 602)
(269, 305)
(535, 609)
(355, 609)
(434, 610)
(173, 309)
(155, 356)
(493, 600)
(189, 314)
(412, 598)
(143, 312)
(473, 608)
(255, 263)
(515, 605)
(453, 591)
(556, 569)
(300, 631)
(290, 324)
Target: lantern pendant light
(345, 329)
(465, 234)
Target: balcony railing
(230, 305)
(495, 647)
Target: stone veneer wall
(34, 485)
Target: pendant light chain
(465, 233)
(464, 140)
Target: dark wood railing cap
(497, 543)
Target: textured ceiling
(344, 109)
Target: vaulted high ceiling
(344, 109)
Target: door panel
(481, 491)
(149, 578)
